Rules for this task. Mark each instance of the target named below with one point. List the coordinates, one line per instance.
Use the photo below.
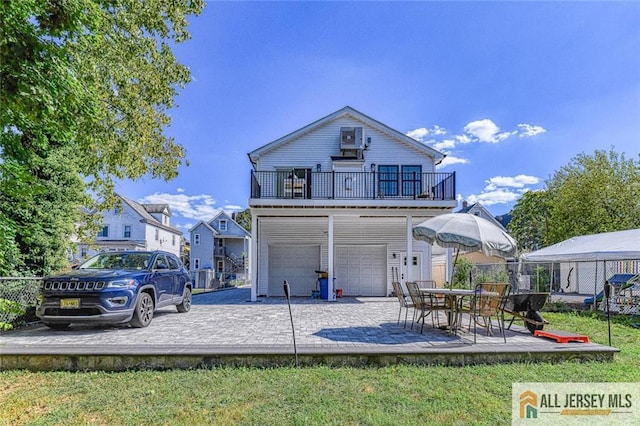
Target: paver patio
(225, 328)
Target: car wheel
(57, 325)
(186, 301)
(143, 313)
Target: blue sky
(510, 91)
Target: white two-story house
(220, 245)
(134, 226)
(341, 195)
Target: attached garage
(361, 270)
(296, 264)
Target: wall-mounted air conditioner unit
(351, 138)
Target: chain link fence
(206, 280)
(584, 277)
(18, 299)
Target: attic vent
(351, 138)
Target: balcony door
(294, 183)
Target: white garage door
(361, 270)
(297, 265)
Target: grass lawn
(320, 395)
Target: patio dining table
(454, 297)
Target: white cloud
(498, 196)
(519, 181)
(483, 130)
(504, 189)
(487, 131)
(418, 134)
(451, 159)
(198, 207)
(423, 132)
(463, 138)
(232, 207)
(528, 130)
(180, 190)
(445, 144)
(438, 131)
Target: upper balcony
(303, 184)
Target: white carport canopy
(621, 245)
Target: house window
(223, 224)
(196, 240)
(220, 242)
(173, 240)
(411, 180)
(157, 234)
(387, 181)
(196, 263)
(83, 252)
(127, 231)
(104, 232)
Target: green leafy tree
(593, 194)
(85, 86)
(462, 273)
(529, 220)
(243, 219)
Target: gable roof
(230, 219)
(486, 214)
(157, 208)
(147, 217)
(206, 225)
(347, 111)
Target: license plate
(69, 303)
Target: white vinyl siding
(318, 146)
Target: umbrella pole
(453, 269)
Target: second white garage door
(361, 270)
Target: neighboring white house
(220, 246)
(134, 226)
(342, 195)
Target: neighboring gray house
(134, 226)
(342, 195)
(218, 250)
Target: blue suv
(116, 287)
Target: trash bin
(324, 288)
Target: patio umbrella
(464, 231)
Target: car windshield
(136, 261)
